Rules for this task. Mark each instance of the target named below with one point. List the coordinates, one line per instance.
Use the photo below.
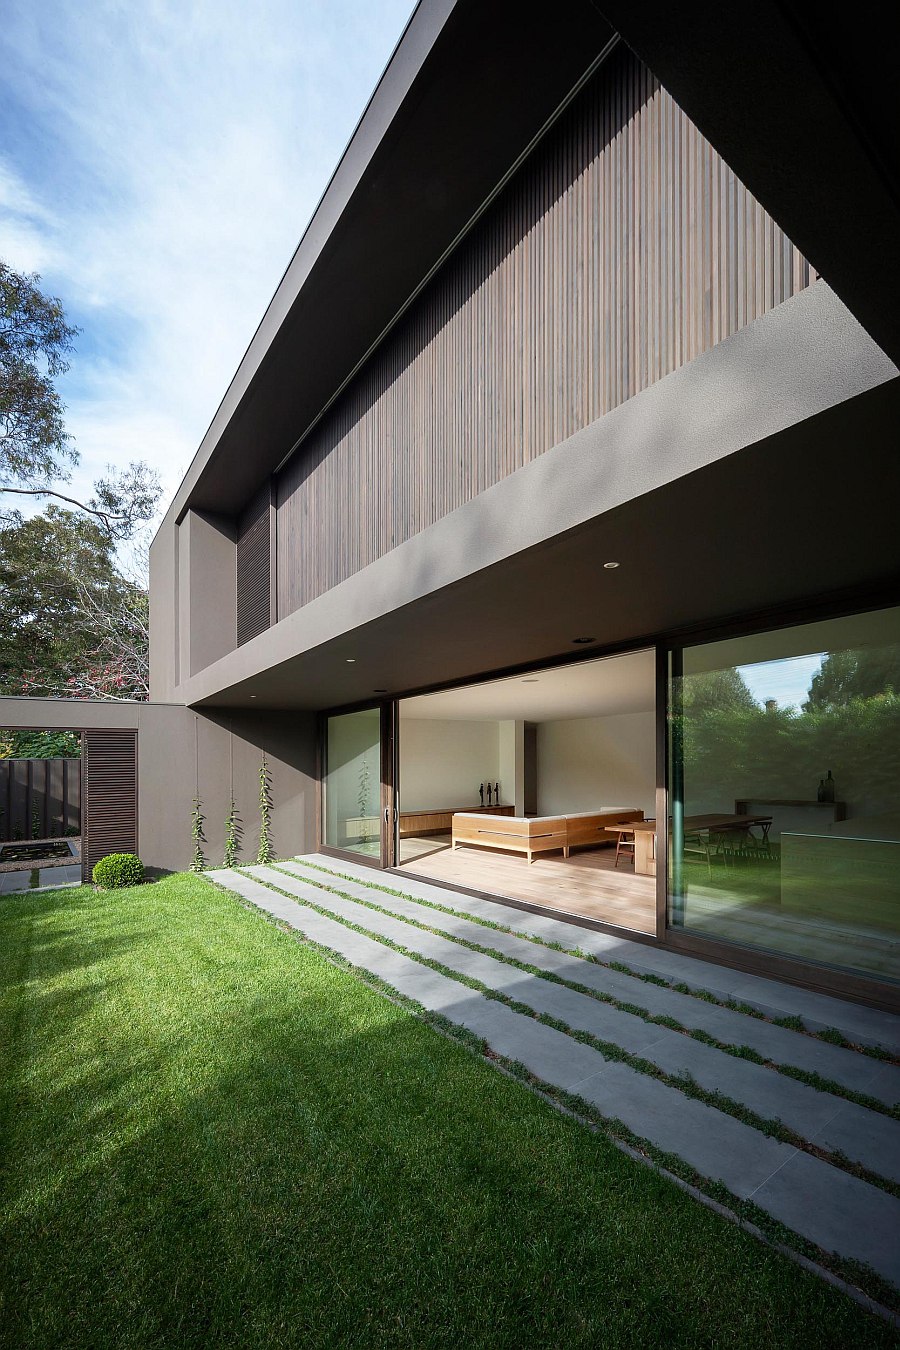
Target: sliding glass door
(784, 786)
(358, 808)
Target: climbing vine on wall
(232, 837)
(198, 820)
(266, 852)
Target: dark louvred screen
(254, 567)
(109, 809)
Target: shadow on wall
(228, 757)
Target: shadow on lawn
(247, 1148)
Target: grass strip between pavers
(857, 1276)
(830, 1034)
(684, 1083)
(211, 1135)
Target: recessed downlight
(253, 695)
(351, 660)
(529, 681)
(582, 641)
(610, 565)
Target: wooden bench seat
(539, 834)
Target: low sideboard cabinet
(440, 820)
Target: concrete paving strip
(867, 1026)
(867, 1138)
(859, 1073)
(832, 1205)
(717, 1146)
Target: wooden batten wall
(109, 816)
(254, 571)
(622, 249)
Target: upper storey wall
(622, 249)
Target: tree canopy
(70, 622)
(717, 691)
(35, 341)
(36, 453)
(40, 745)
(845, 675)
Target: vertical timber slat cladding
(623, 248)
(254, 567)
(109, 808)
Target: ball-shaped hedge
(118, 869)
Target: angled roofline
(431, 150)
(428, 17)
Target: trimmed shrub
(118, 869)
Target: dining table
(710, 824)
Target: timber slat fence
(39, 798)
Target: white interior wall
(511, 770)
(588, 762)
(442, 763)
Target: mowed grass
(211, 1136)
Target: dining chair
(625, 845)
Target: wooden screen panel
(109, 808)
(623, 248)
(254, 567)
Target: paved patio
(805, 1152)
(48, 878)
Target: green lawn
(213, 1137)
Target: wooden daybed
(540, 834)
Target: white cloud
(170, 157)
(27, 228)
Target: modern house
(546, 538)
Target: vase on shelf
(828, 788)
(820, 795)
(481, 794)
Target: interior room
(531, 787)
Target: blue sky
(158, 164)
(786, 681)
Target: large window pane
(784, 780)
(353, 782)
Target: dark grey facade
(548, 312)
(515, 357)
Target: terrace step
(819, 1012)
(839, 1212)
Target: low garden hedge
(118, 869)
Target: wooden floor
(584, 883)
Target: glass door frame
(388, 786)
(816, 976)
(789, 969)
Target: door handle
(387, 815)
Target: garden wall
(183, 754)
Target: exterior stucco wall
(803, 358)
(164, 668)
(183, 754)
